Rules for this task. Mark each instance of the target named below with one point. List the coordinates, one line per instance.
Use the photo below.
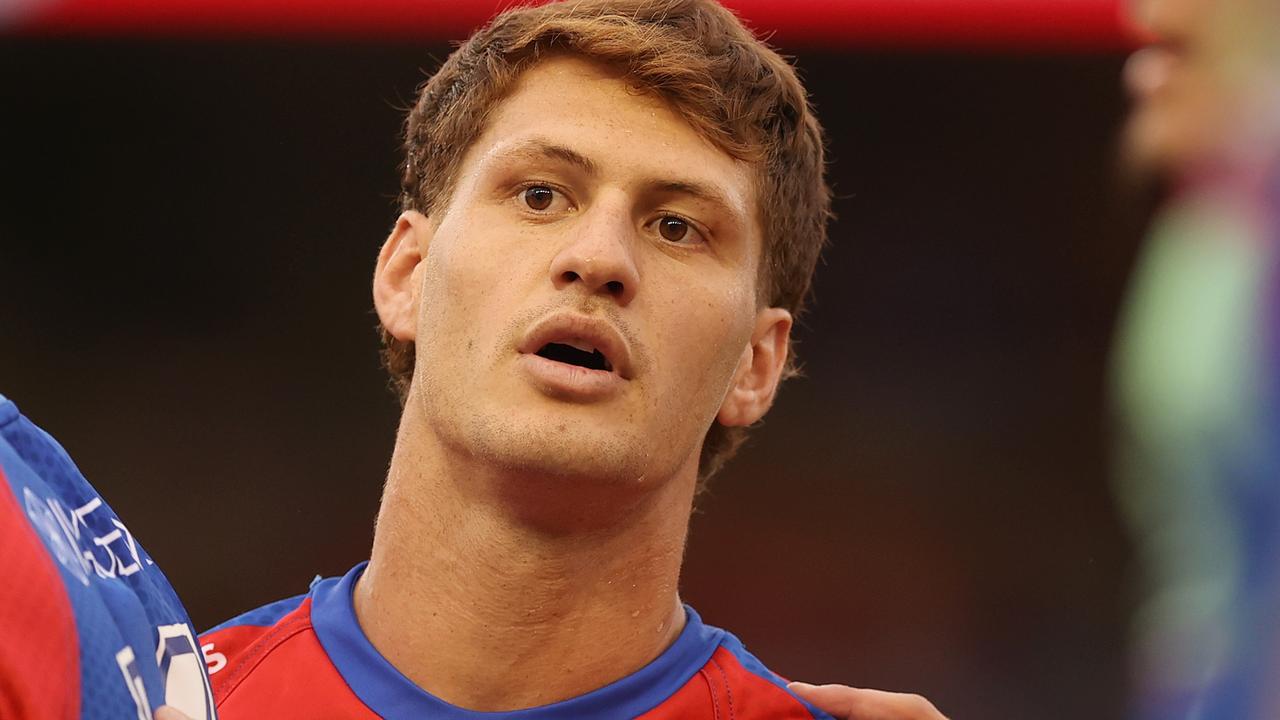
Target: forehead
(624, 131)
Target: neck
(492, 606)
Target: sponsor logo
(112, 554)
(182, 665)
(128, 663)
(213, 659)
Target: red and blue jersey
(306, 657)
(90, 629)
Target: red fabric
(735, 693)
(998, 24)
(39, 652)
(281, 672)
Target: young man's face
(1196, 89)
(586, 302)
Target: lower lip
(570, 382)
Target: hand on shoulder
(847, 703)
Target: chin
(563, 447)
(529, 436)
(1149, 146)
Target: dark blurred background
(187, 236)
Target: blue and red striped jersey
(306, 657)
(89, 626)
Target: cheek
(705, 331)
(466, 286)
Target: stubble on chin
(471, 424)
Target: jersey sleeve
(39, 666)
(92, 592)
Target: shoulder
(742, 687)
(234, 649)
(270, 662)
(38, 659)
(719, 679)
(91, 597)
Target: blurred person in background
(1196, 367)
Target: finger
(168, 712)
(847, 703)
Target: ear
(755, 382)
(396, 281)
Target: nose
(599, 255)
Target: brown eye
(673, 228)
(539, 197)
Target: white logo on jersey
(133, 680)
(186, 685)
(215, 660)
(108, 556)
(45, 517)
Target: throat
(524, 652)
(489, 609)
(493, 618)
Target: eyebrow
(698, 191)
(544, 149)
(540, 148)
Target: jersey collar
(391, 695)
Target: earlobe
(395, 279)
(759, 371)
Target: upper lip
(580, 329)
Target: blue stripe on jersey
(264, 616)
(390, 694)
(755, 667)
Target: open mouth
(585, 354)
(578, 354)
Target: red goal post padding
(1020, 25)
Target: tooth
(584, 347)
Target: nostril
(569, 276)
(615, 287)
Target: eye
(539, 197)
(673, 228)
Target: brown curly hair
(728, 85)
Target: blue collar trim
(391, 695)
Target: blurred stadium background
(194, 192)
